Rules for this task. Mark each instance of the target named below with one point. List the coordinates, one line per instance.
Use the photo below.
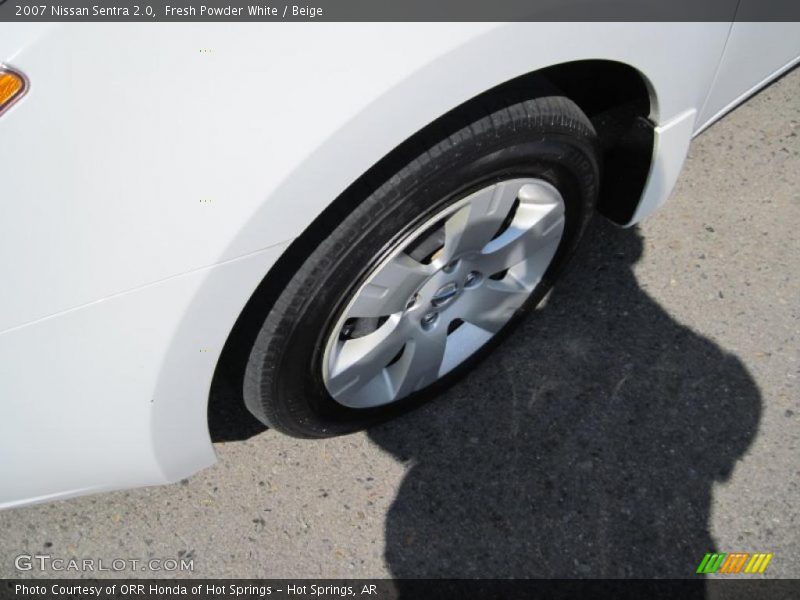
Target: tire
(547, 142)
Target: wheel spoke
(535, 227)
(485, 254)
(491, 305)
(420, 363)
(356, 362)
(389, 289)
(474, 225)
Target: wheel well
(615, 97)
(619, 101)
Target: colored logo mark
(735, 562)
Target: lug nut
(473, 279)
(450, 267)
(429, 320)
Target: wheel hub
(422, 316)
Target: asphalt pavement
(648, 413)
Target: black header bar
(398, 10)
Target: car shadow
(586, 446)
(228, 418)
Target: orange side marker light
(12, 86)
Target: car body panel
(670, 146)
(755, 54)
(155, 173)
(152, 157)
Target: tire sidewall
(295, 384)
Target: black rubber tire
(546, 137)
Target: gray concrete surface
(647, 414)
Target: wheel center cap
(445, 294)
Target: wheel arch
(619, 100)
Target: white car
(343, 216)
